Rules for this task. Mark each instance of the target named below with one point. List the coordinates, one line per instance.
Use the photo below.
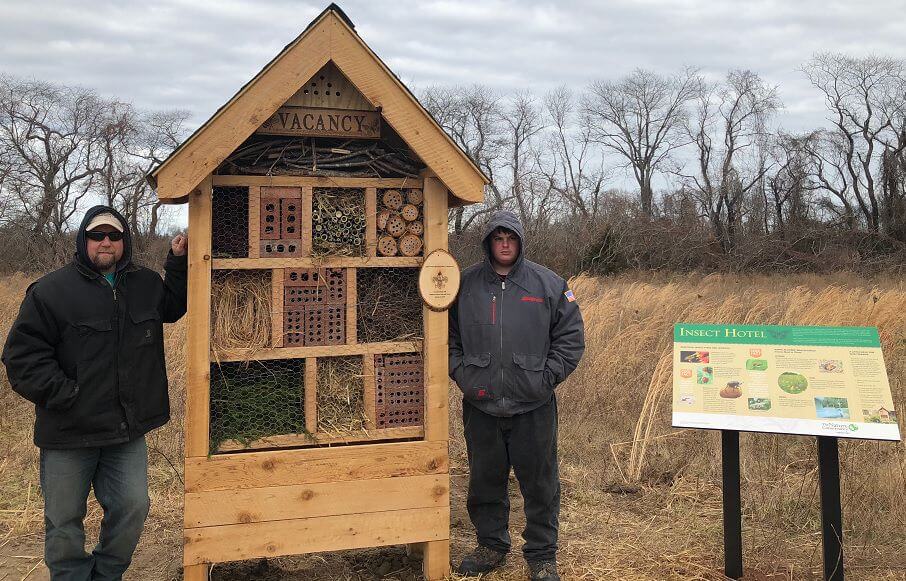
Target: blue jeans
(119, 474)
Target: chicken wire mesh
(341, 395)
(256, 399)
(338, 221)
(389, 306)
(230, 222)
(399, 222)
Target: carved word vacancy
(323, 123)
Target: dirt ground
(604, 535)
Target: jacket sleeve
(455, 342)
(30, 357)
(173, 302)
(567, 340)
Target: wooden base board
(218, 544)
(308, 466)
(273, 503)
(317, 439)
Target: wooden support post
(351, 307)
(311, 395)
(198, 323)
(436, 563)
(306, 221)
(437, 382)
(254, 221)
(370, 221)
(195, 572)
(369, 381)
(277, 307)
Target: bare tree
(789, 185)
(574, 168)
(522, 123)
(729, 123)
(51, 135)
(640, 117)
(133, 143)
(472, 118)
(858, 93)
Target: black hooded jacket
(513, 341)
(91, 356)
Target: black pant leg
(489, 471)
(533, 452)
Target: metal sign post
(729, 440)
(831, 512)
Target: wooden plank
(321, 262)
(254, 221)
(198, 323)
(316, 181)
(311, 395)
(437, 381)
(370, 221)
(343, 94)
(312, 465)
(368, 380)
(351, 304)
(319, 439)
(402, 111)
(195, 572)
(436, 560)
(200, 155)
(225, 507)
(317, 351)
(329, 38)
(327, 533)
(306, 221)
(276, 310)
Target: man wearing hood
(515, 333)
(87, 349)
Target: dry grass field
(641, 500)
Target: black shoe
(543, 571)
(481, 560)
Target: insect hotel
(316, 404)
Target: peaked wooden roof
(330, 37)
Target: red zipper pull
(494, 309)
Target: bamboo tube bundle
(338, 221)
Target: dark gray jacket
(512, 342)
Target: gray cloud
(195, 55)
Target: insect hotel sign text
(316, 405)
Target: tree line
(63, 149)
(717, 183)
(736, 190)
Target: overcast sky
(195, 54)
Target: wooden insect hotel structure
(316, 405)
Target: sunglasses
(98, 236)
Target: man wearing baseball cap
(87, 349)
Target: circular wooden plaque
(438, 280)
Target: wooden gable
(328, 45)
